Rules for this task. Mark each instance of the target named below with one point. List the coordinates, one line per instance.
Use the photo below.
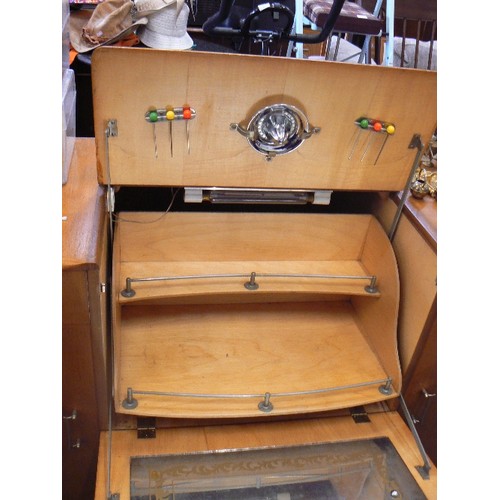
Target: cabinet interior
(195, 342)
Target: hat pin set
(170, 115)
(376, 128)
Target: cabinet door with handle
(420, 387)
(84, 337)
(80, 430)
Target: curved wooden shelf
(220, 360)
(214, 282)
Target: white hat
(166, 29)
(110, 21)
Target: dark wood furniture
(420, 379)
(84, 278)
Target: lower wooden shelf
(221, 360)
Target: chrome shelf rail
(251, 284)
(130, 402)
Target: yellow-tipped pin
(170, 116)
(389, 130)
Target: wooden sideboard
(84, 346)
(86, 339)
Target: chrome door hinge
(110, 199)
(112, 128)
(146, 427)
(359, 415)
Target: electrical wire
(122, 219)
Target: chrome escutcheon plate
(277, 129)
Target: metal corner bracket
(111, 130)
(424, 469)
(415, 143)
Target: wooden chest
(240, 321)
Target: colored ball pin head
(364, 123)
(153, 118)
(376, 127)
(170, 116)
(390, 129)
(186, 114)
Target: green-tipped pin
(363, 124)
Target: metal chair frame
(218, 25)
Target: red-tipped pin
(377, 127)
(187, 114)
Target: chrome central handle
(276, 130)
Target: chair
(413, 26)
(353, 20)
(415, 34)
(251, 21)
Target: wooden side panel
(378, 319)
(233, 237)
(231, 88)
(98, 309)
(115, 306)
(417, 265)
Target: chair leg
(389, 41)
(337, 46)
(431, 48)
(366, 51)
(328, 46)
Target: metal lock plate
(277, 129)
